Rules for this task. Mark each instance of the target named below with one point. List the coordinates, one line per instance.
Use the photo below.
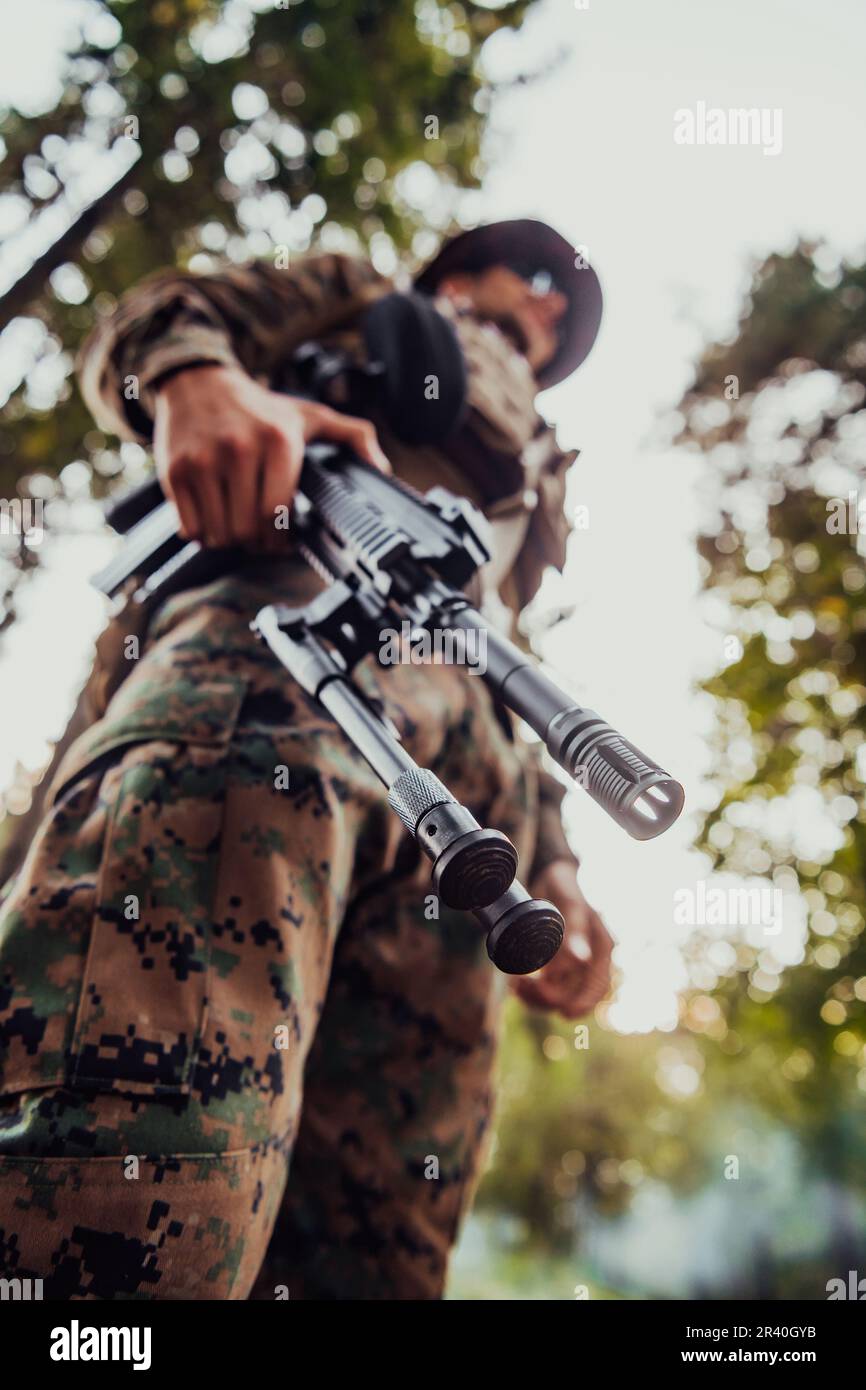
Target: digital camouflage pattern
(221, 962)
(220, 958)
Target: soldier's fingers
(593, 987)
(187, 512)
(323, 423)
(241, 473)
(283, 457)
(581, 1004)
(532, 991)
(211, 503)
(600, 939)
(571, 987)
(579, 945)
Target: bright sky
(670, 229)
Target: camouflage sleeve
(251, 315)
(551, 843)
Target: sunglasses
(540, 280)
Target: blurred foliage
(581, 1115)
(768, 1062)
(790, 742)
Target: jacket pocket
(121, 883)
(160, 704)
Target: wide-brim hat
(528, 242)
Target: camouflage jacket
(505, 458)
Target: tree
(778, 414)
(769, 1051)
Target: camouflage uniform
(222, 953)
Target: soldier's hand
(578, 977)
(229, 452)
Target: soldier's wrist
(178, 375)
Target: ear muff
(423, 383)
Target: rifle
(393, 556)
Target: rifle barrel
(637, 793)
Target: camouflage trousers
(241, 1053)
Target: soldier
(221, 964)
